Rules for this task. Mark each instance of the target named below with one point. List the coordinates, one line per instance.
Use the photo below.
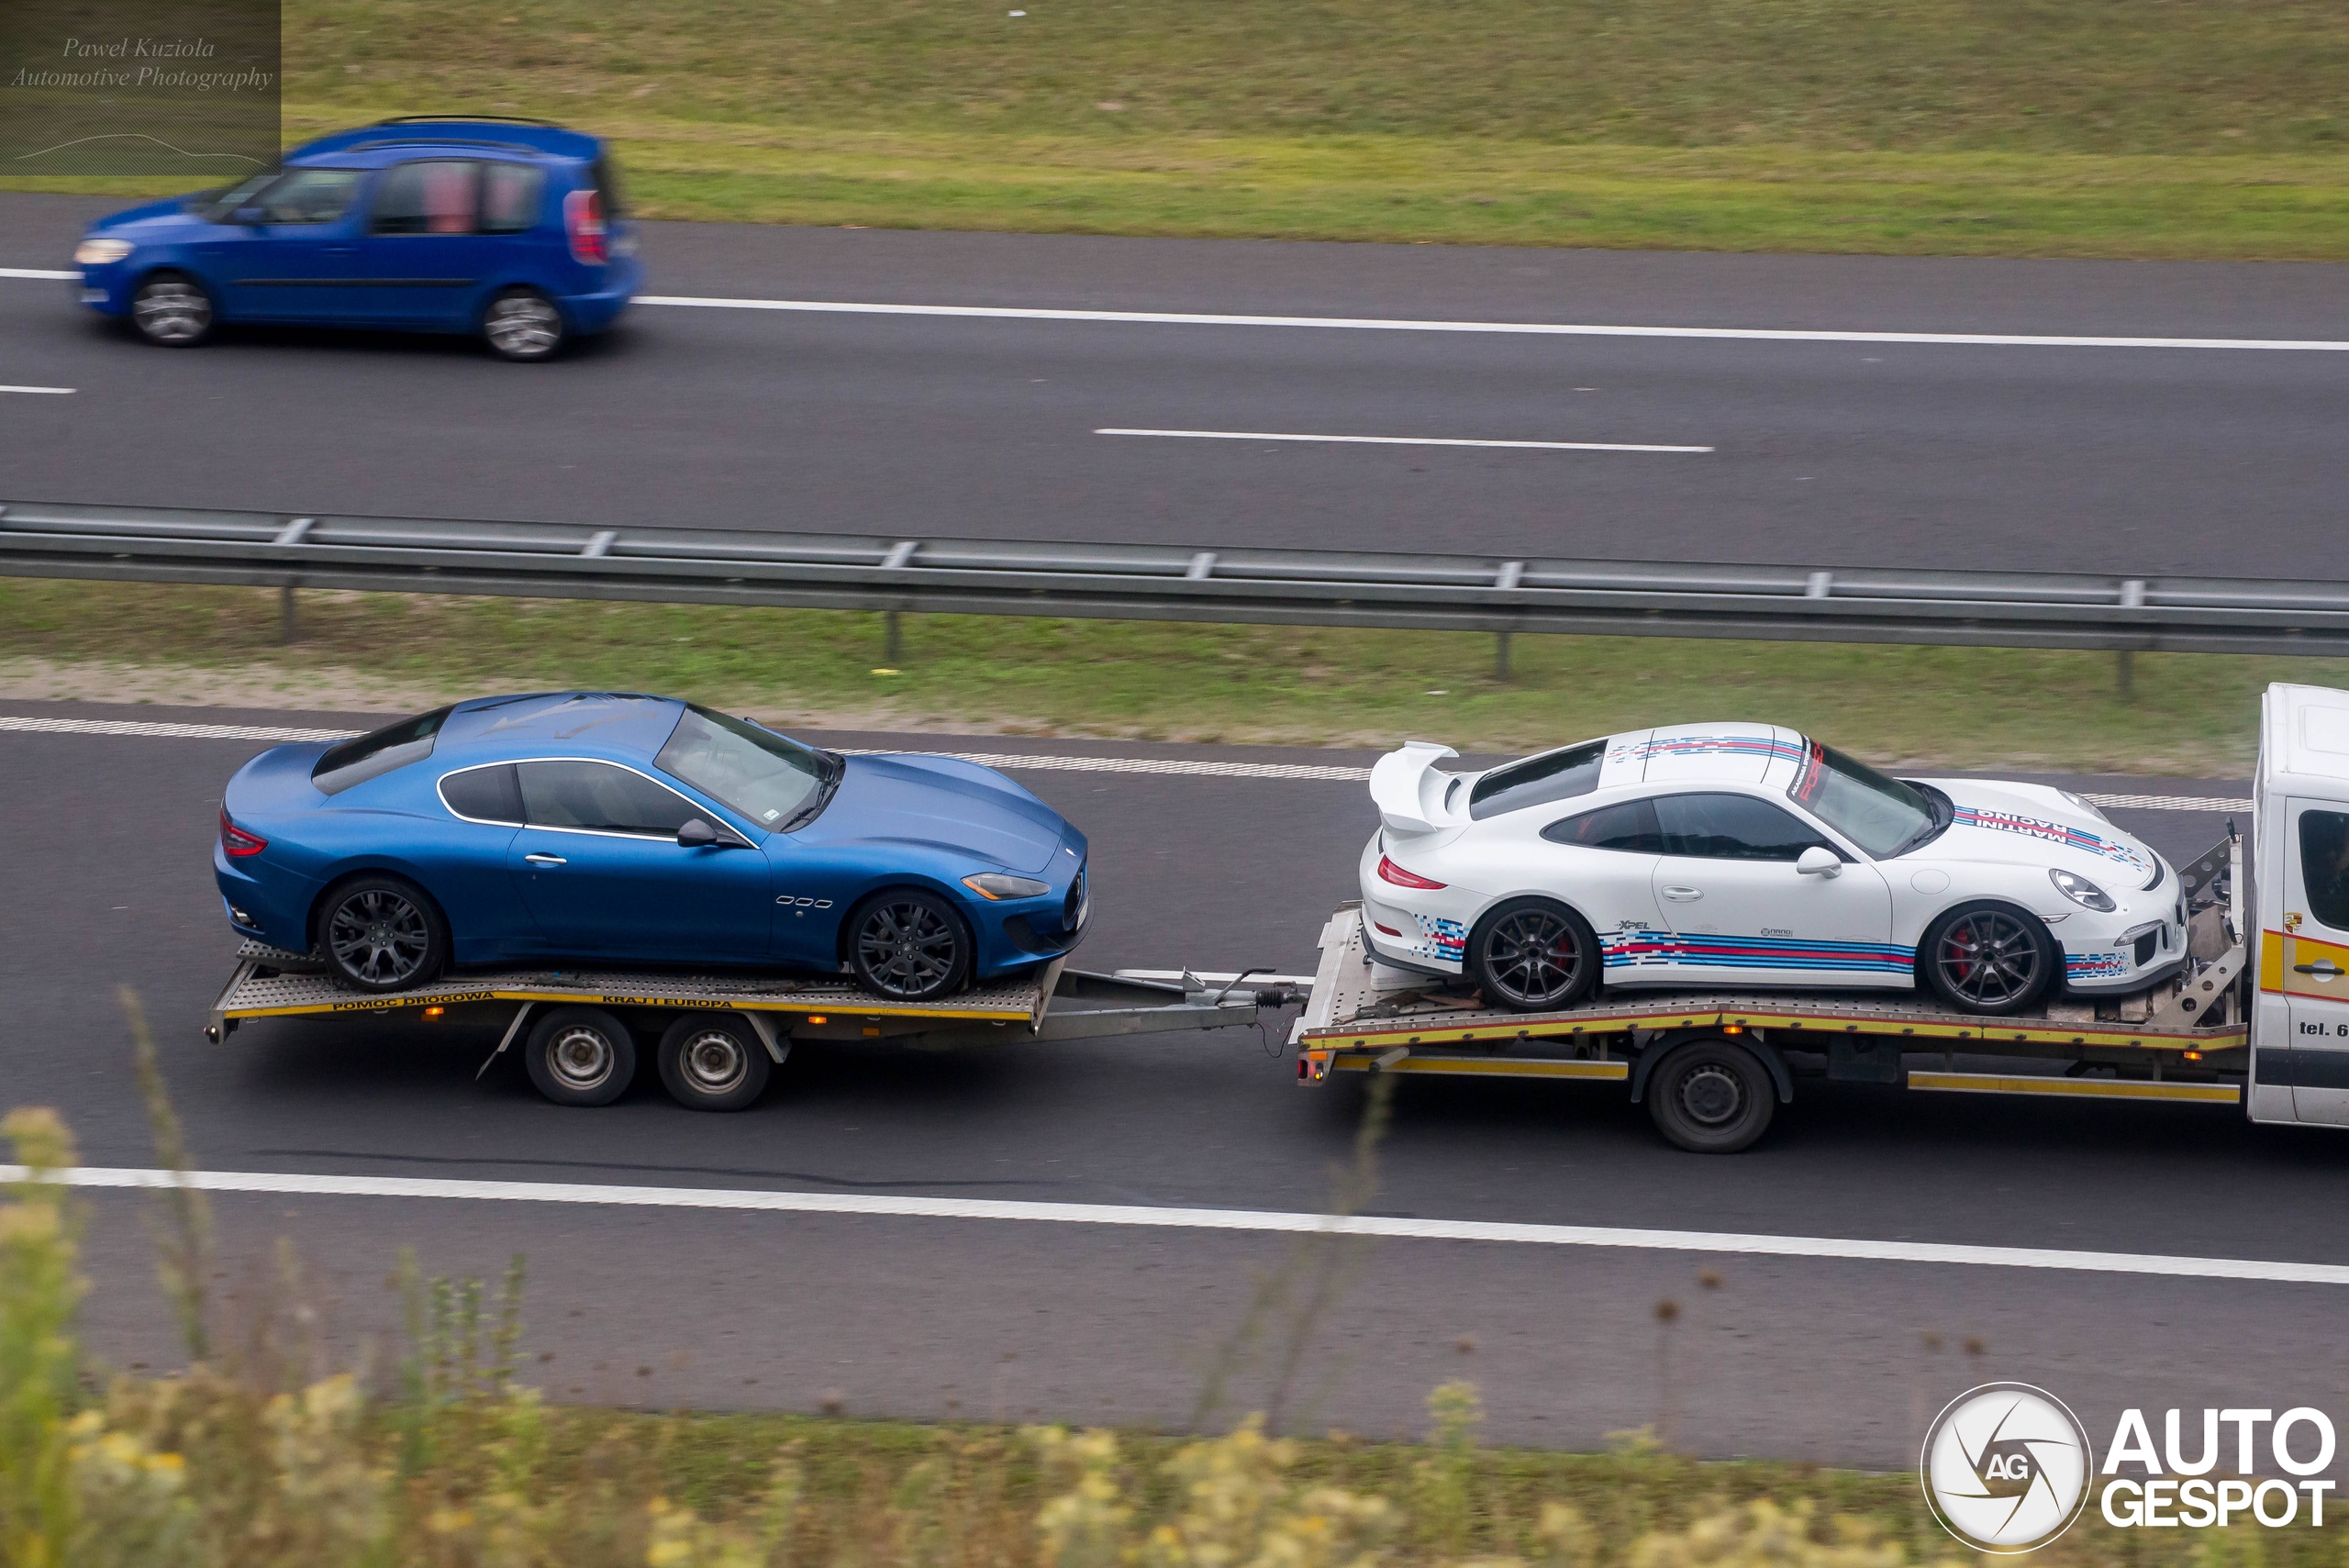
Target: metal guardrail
(1134, 582)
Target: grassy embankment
(2105, 127)
(2190, 714)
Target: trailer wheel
(1712, 1097)
(581, 1056)
(712, 1062)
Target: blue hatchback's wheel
(523, 324)
(172, 309)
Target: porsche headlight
(993, 884)
(2082, 892)
(101, 252)
(2082, 803)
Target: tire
(713, 1061)
(382, 933)
(1710, 1096)
(581, 1056)
(171, 310)
(522, 325)
(1531, 955)
(908, 944)
(1991, 959)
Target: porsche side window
(1538, 781)
(2324, 866)
(602, 798)
(1630, 826)
(378, 752)
(485, 795)
(1731, 828)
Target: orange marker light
(817, 1018)
(434, 1012)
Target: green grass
(2106, 128)
(2190, 715)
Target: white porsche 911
(1736, 855)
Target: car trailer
(721, 1035)
(1713, 1067)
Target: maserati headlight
(995, 884)
(2082, 892)
(101, 252)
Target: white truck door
(2314, 955)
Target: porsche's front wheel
(909, 945)
(1531, 956)
(1987, 958)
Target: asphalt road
(2120, 460)
(108, 883)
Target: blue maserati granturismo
(618, 828)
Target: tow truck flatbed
(1364, 1017)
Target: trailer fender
(1761, 1049)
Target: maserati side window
(602, 798)
(485, 794)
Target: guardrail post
(1500, 656)
(289, 617)
(889, 640)
(2133, 597)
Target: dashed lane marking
(277, 1184)
(1009, 762)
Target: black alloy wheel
(909, 945)
(382, 933)
(1711, 1097)
(523, 324)
(1533, 956)
(1987, 958)
(713, 1061)
(172, 309)
(581, 1056)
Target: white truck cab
(2299, 904)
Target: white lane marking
(1525, 329)
(41, 272)
(54, 391)
(1400, 440)
(1010, 761)
(1238, 1219)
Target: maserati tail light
(239, 843)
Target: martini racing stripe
(1645, 949)
(1709, 746)
(2054, 832)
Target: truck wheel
(1712, 1097)
(581, 1056)
(1530, 956)
(382, 933)
(711, 1062)
(909, 945)
(1987, 958)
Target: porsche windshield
(1883, 815)
(774, 782)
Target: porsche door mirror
(1817, 861)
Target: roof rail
(502, 119)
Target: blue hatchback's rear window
(378, 752)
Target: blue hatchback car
(508, 228)
(631, 829)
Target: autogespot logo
(2006, 1467)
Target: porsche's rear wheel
(382, 933)
(909, 945)
(1531, 955)
(1987, 958)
